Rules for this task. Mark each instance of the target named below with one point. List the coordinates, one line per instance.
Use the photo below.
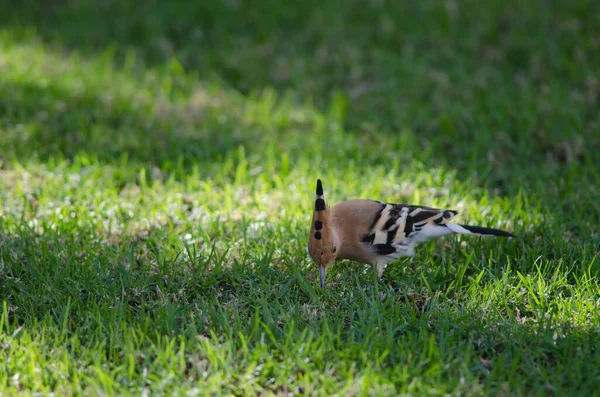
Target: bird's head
(322, 239)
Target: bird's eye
(334, 248)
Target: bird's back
(379, 232)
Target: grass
(157, 169)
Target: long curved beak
(323, 271)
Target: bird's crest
(321, 245)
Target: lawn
(157, 171)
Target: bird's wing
(396, 228)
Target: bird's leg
(380, 267)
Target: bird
(376, 232)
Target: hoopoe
(377, 233)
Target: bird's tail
(477, 230)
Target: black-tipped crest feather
(319, 204)
(319, 188)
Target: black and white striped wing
(396, 229)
